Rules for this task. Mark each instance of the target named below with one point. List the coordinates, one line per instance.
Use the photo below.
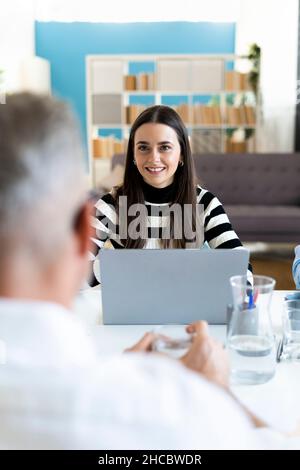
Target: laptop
(168, 286)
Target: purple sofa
(260, 192)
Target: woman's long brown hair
(184, 178)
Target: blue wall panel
(65, 45)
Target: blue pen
(251, 301)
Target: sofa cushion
(268, 179)
(260, 192)
(261, 219)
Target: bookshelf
(211, 93)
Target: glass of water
(250, 339)
(291, 331)
(172, 340)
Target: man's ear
(82, 227)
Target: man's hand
(144, 345)
(206, 355)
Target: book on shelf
(198, 114)
(250, 115)
(234, 116)
(203, 114)
(151, 81)
(106, 147)
(217, 117)
(236, 147)
(244, 82)
(119, 147)
(140, 82)
(97, 148)
(184, 112)
(133, 111)
(208, 115)
(130, 82)
(236, 81)
(240, 115)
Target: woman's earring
(134, 162)
(181, 163)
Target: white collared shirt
(55, 393)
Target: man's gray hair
(41, 175)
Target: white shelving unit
(180, 79)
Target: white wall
(273, 25)
(16, 39)
(137, 10)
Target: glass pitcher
(250, 339)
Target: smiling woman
(159, 204)
(157, 154)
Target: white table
(277, 401)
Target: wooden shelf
(174, 75)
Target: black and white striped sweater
(217, 230)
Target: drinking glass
(291, 331)
(250, 339)
(172, 340)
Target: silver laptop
(168, 286)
